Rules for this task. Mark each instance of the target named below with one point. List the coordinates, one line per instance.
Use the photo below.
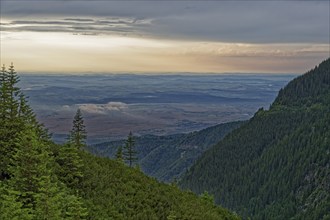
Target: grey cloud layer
(77, 25)
(237, 21)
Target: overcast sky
(165, 36)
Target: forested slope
(167, 157)
(277, 165)
(42, 180)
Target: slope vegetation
(42, 180)
(277, 165)
(167, 157)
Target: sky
(164, 36)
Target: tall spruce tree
(10, 206)
(29, 187)
(129, 153)
(78, 133)
(119, 154)
(70, 170)
(33, 177)
(15, 115)
(71, 164)
(9, 120)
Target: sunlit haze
(212, 37)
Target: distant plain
(114, 104)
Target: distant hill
(167, 157)
(277, 165)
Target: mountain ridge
(275, 166)
(167, 157)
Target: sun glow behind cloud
(64, 52)
(180, 37)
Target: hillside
(275, 166)
(42, 180)
(111, 189)
(167, 157)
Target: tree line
(43, 180)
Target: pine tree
(71, 165)
(75, 209)
(15, 115)
(31, 169)
(9, 124)
(119, 154)
(37, 185)
(70, 171)
(29, 188)
(10, 207)
(78, 133)
(129, 152)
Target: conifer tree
(31, 170)
(71, 165)
(10, 207)
(129, 153)
(29, 188)
(70, 171)
(75, 209)
(15, 115)
(34, 178)
(8, 128)
(119, 154)
(10, 120)
(78, 133)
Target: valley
(147, 104)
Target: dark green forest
(277, 165)
(168, 157)
(43, 180)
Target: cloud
(225, 21)
(103, 108)
(171, 36)
(110, 26)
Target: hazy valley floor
(114, 104)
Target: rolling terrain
(147, 104)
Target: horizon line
(154, 73)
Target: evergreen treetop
(78, 133)
(129, 153)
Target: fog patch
(103, 108)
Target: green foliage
(207, 197)
(119, 154)
(29, 187)
(70, 170)
(129, 153)
(15, 115)
(78, 133)
(167, 157)
(276, 166)
(306, 89)
(121, 192)
(42, 180)
(74, 208)
(10, 207)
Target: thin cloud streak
(175, 36)
(225, 21)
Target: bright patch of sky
(170, 36)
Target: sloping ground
(114, 191)
(167, 157)
(276, 166)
